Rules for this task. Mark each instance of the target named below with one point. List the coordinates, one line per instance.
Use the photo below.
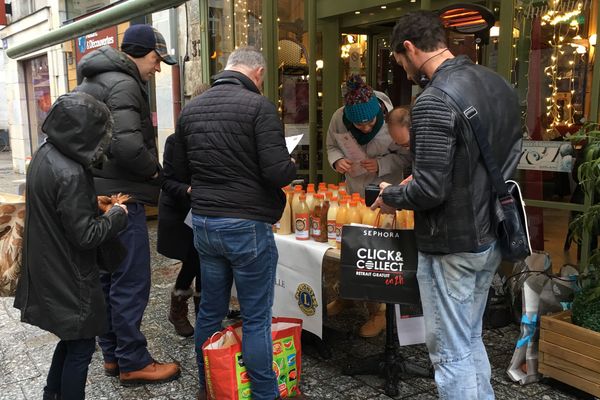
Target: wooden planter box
(570, 353)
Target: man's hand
(370, 164)
(342, 165)
(378, 203)
(189, 190)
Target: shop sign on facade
(555, 156)
(95, 40)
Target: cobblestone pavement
(26, 351)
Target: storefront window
(292, 50)
(552, 70)
(38, 97)
(354, 55)
(232, 24)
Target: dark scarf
(364, 138)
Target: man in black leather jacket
(453, 198)
(119, 79)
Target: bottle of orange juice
(369, 216)
(302, 220)
(295, 200)
(285, 223)
(353, 216)
(340, 221)
(331, 217)
(310, 196)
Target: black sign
(379, 265)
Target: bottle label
(302, 227)
(331, 229)
(316, 227)
(338, 232)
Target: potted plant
(569, 349)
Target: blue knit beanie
(360, 103)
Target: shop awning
(111, 16)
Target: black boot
(178, 312)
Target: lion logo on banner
(307, 301)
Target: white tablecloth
(298, 291)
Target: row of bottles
(321, 215)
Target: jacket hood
(106, 59)
(79, 126)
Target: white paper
(352, 151)
(298, 129)
(292, 141)
(410, 330)
(188, 219)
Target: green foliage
(586, 305)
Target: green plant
(586, 305)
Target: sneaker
(151, 373)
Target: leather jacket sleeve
(434, 147)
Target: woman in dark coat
(59, 289)
(175, 238)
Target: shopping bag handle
(223, 332)
(377, 219)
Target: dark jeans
(190, 269)
(69, 368)
(126, 293)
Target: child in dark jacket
(59, 289)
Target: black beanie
(135, 50)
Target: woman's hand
(342, 165)
(370, 164)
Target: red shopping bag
(226, 375)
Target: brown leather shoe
(111, 369)
(152, 373)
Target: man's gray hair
(247, 56)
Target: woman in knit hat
(364, 117)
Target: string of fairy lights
(565, 25)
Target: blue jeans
(243, 251)
(454, 290)
(126, 292)
(69, 369)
